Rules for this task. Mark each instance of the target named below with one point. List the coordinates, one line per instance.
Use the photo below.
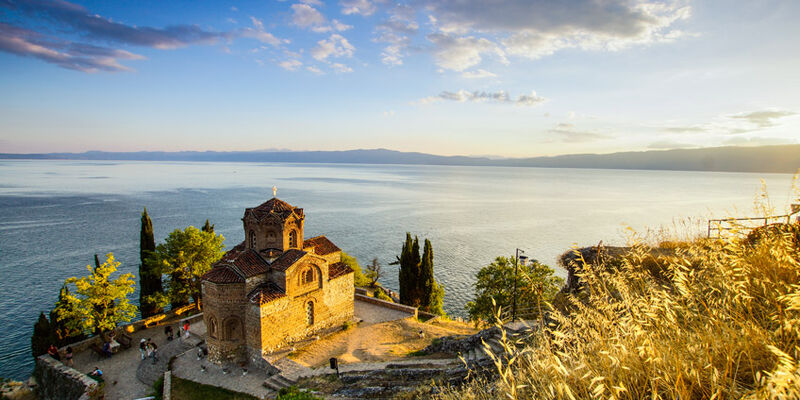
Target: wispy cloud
(480, 73)
(290, 65)
(500, 97)
(765, 118)
(96, 27)
(567, 133)
(669, 144)
(259, 33)
(76, 56)
(361, 7)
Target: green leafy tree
(494, 288)
(151, 287)
(64, 331)
(185, 256)
(42, 336)
(359, 279)
(98, 303)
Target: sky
(516, 78)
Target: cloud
(763, 119)
(757, 141)
(568, 134)
(96, 27)
(76, 56)
(537, 28)
(341, 68)
(480, 73)
(314, 70)
(361, 7)
(500, 97)
(669, 144)
(459, 53)
(335, 46)
(257, 32)
(686, 129)
(395, 33)
(290, 65)
(304, 16)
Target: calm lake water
(55, 215)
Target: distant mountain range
(765, 159)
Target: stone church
(274, 288)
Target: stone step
(284, 380)
(275, 383)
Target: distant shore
(763, 159)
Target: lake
(55, 215)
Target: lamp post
(514, 299)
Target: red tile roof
(223, 274)
(275, 207)
(265, 292)
(287, 259)
(245, 261)
(338, 269)
(321, 245)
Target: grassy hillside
(709, 319)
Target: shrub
(293, 393)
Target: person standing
(143, 348)
(153, 351)
(68, 357)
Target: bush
(379, 294)
(722, 322)
(358, 275)
(293, 393)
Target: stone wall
(58, 381)
(388, 304)
(224, 316)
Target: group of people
(53, 352)
(148, 349)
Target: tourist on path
(53, 352)
(107, 349)
(68, 357)
(168, 332)
(153, 351)
(143, 348)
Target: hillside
(765, 159)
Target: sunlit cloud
(500, 97)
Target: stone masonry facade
(274, 288)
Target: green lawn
(188, 390)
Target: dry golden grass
(722, 321)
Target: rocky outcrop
(59, 382)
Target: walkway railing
(743, 226)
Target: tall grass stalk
(718, 319)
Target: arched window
(310, 313)
(212, 329)
(252, 240)
(292, 239)
(308, 276)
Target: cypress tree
(208, 227)
(426, 281)
(414, 276)
(149, 274)
(403, 260)
(42, 336)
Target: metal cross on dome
(274, 191)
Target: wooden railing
(743, 226)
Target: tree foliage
(151, 286)
(184, 257)
(418, 287)
(208, 227)
(42, 336)
(65, 331)
(98, 303)
(359, 279)
(494, 288)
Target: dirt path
(375, 342)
